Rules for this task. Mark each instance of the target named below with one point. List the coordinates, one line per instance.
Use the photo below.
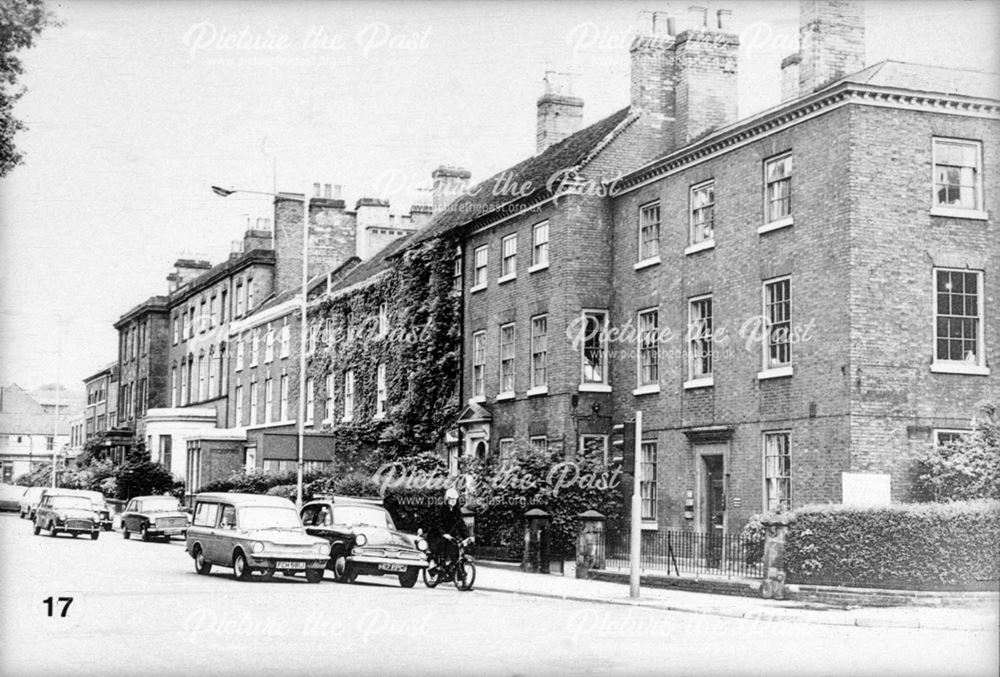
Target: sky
(135, 108)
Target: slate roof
(481, 200)
(927, 78)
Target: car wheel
(94, 535)
(465, 575)
(37, 529)
(268, 573)
(314, 575)
(202, 566)
(74, 534)
(144, 532)
(340, 569)
(409, 579)
(241, 570)
(125, 532)
(52, 529)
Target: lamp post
(226, 192)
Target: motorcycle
(462, 571)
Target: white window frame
(348, 395)
(602, 385)
(255, 347)
(978, 368)
(240, 354)
(285, 338)
(268, 400)
(328, 409)
(647, 480)
(238, 395)
(381, 396)
(173, 386)
(704, 379)
(647, 386)
(784, 368)
(648, 258)
(505, 453)
(772, 222)
(269, 344)
(480, 268)
(539, 247)
(938, 209)
(510, 358)
(479, 365)
(937, 432)
(539, 347)
(310, 400)
(312, 338)
(283, 398)
(254, 401)
(508, 259)
(534, 440)
(695, 245)
(383, 319)
(767, 477)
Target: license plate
(291, 565)
(392, 567)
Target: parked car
(10, 496)
(68, 513)
(364, 540)
(154, 517)
(100, 505)
(252, 533)
(29, 502)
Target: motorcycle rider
(450, 526)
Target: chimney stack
(652, 70)
(790, 76)
(705, 64)
(450, 183)
(186, 270)
(560, 114)
(831, 41)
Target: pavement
(506, 578)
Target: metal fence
(688, 552)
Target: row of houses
(798, 301)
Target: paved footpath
(503, 578)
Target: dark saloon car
(67, 513)
(30, 500)
(364, 540)
(154, 517)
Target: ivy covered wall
(419, 344)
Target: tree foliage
(966, 469)
(21, 22)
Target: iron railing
(688, 552)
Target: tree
(968, 468)
(21, 22)
(139, 477)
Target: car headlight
(323, 548)
(61, 516)
(421, 544)
(257, 546)
(360, 539)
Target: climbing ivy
(421, 353)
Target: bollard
(589, 542)
(536, 542)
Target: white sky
(135, 108)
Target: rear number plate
(291, 565)
(392, 567)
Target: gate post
(589, 542)
(776, 529)
(536, 542)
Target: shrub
(142, 477)
(924, 545)
(966, 469)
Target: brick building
(33, 426)
(101, 411)
(142, 364)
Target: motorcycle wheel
(432, 579)
(465, 575)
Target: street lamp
(226, 192)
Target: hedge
(908, 546)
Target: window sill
(705, 382)
(957, 213)
(649, 389)
(649, 526)
(346, 419)
(959, 368)
(538, 266)
(776, 225)
(699, 247)
(538, 390)
(506, 278)
(478, 399)
(504, 396)
(480, 287)
(646, 263)
(777, 372)
(594, 388)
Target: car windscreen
(268, 517)
(70, 503)
(362, 516)
(160, 505)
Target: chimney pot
(316, 190)
(327, 191)
(719, 14)
(702, 11)
(560, 114)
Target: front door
(715, 497)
